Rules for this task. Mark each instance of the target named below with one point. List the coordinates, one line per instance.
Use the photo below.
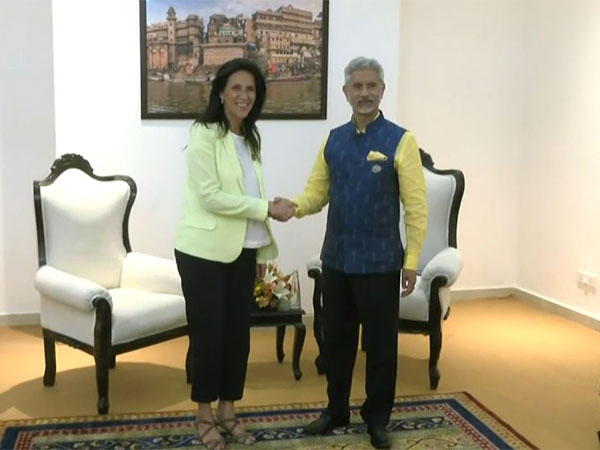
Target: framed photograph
(184, 42)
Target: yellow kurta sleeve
(413, 196)
(316, 193)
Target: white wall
(559, 207)
(493, 87)
(460, 91)
(507, 90)
(27, 142)
(3, 295)
(97, 115)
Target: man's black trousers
(373, 301)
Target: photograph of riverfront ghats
(187, 41)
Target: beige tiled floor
(537, 371)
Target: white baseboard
(552, 305)
(474, 293)
(10, 320)
(308, 319)
(547, 303)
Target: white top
(256, 233)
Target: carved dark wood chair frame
(103, 351)
(433, 327)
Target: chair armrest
(314, 264)
(150, 274)
(446, 264)
(69, 289)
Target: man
(363, 168)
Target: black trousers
(218, 301)
(373, 301)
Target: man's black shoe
(379, 437)
(325, 423)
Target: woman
(222, 241)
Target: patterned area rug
(436, 421)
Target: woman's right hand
(281, 209)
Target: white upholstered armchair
(96, 295)
(439, 266)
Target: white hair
(361, 63)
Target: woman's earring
(221, 100)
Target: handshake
(282, 209)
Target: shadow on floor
(132, 387)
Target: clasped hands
(282, 209)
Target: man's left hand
(408, 280)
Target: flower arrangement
(275, 289)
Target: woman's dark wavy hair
(215, 113)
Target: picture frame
(183, 42)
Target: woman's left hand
(261, 270)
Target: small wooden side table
(281, 319)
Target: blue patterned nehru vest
(363, 234)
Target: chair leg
(102, 365)
(435, 347)
(317, 325)
(435, 331)
(319, 364)
(188, 364)
(363, 339)
(50, 357)
(113, 362)
(102, 352)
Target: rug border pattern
(177, 419)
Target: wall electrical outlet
(587, 280)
